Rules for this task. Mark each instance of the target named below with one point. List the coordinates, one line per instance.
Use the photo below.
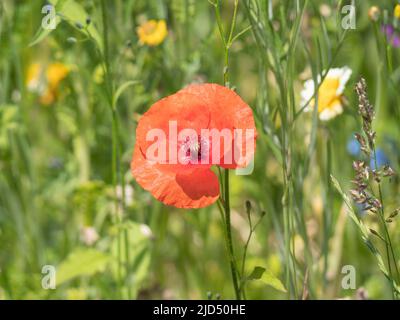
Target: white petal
(343, 74)
(332, 112)
(344, 78)
(307, 93)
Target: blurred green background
(56, 193)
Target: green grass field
(309, 222)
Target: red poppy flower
(182, 136)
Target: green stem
(225, 186)
(388, 241)
(229, 235)
(327, 213)
(116, 170)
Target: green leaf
(42, 33)
(139, 242)
(82, 262)
(256, 273)
(72, 12)
(266, 276)
(121, 90)
(269, 279)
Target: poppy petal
(194, 188)
(185, 110)
(229, 111)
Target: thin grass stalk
(115, 167)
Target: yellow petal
(152, 32)
(55, 73)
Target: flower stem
(229, 235)
(227, 42)
(388, 241)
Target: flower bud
(71, 40)
(374, 13)
(78, 25)
(248, 206)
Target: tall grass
(65, 168)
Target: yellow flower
(33, 76)
(330, 93)
(152, 32)
(47, 98)
(55, 73)
(397, 11)
(45, 81)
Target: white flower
(146, 231)
(330, 93)
(89, 235)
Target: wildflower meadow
(199, 149)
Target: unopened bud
(394, 213)
(248, 206)
(374, 13)
(71, 40)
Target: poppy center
(194, 150)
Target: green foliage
(63, 163)
(74, 14)
(262, 274)
(81, 262)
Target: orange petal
(186, 109)
(229, 111)
(195, 188)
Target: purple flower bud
(396, 41)
(388, 29)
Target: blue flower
(353, 147)
(381, 160)
(361, 209)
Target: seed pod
(248, 206)
(375, 233)
(394, 213)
